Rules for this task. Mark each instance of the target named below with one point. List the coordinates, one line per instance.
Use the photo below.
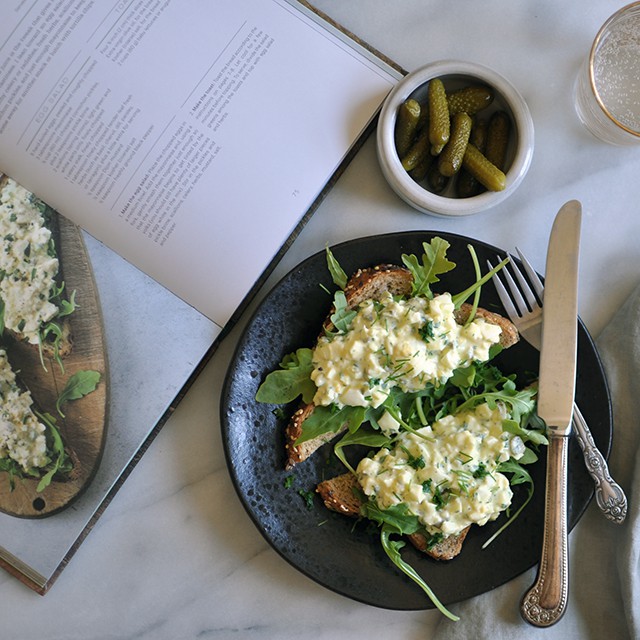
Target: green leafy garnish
(290, 381)
(338, 275)
(434, 263)
(461, 297)
(364, 437)
(342, 317)
(398, 521)
(61, 462)
(78, 386)
(519, 475)
(325, 420)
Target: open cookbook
(156, 160)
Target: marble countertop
(175, 555)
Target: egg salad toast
(374, 284)
(35, 310)
(402, 378)
(34, 307)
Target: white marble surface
(175, 555)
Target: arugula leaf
(363, 437)
(290, 381)
(329, 420)
(521, 403)
(78, 385)
(61, 461)
(338, 276)
(476, 297)
(434, 263)
(461, 297)
(397, 517)
(520, 476)
(527, 435)
(342, 317)
(392, 549)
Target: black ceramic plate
(329, 548)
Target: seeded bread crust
(342, 495)
(371, 284)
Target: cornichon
(406, 124)
(466, 184)
(416, 153)
(450, 159)
(498, 138)
(470, 100)
(439, 121)
(482, 170)
(419, 172)
(437, 182)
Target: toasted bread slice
(371, 284)
(509, 334)
(447, 549)
(342, 494)
(298, 452)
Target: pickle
(485, 172)
(416, 153)
(406, 123)
(419, 172)
(423, 120)
(498, 138)
(437, 182)
(439, 122)
(470, 100)
(450, 159)
(466, 184)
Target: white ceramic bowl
(455, 74)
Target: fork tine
(503, 294)
(525, 287)
(532, 275)
(512, 300)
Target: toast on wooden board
(31, 287)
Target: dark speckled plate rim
(291, 529)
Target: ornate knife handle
(609, 495)
(546, 601)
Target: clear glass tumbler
(607, 91)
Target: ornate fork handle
(609, 495)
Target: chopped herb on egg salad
(448, 433)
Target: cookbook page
(178, 133)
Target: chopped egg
(406, 343)
(446, 474)
(27, 268)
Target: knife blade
(545, 602)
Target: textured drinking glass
(607, 94)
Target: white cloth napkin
(604, 569)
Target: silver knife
(546, 601)
(610, 496)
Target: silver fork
(525, 311)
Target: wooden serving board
(83, 428)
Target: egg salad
(447, 473)
(404, 343)
(22, 435)
(27, 267)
